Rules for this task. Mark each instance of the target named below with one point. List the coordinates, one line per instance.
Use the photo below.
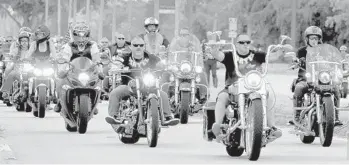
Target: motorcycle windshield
(82, 64)
(181, 56)
(323, 52)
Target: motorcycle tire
(255, 116)
(326, 128)
(83, 108)
(345, 90)
(184, 107)
(153, 126)
(130, 140)
(42, 104)
(307, 139)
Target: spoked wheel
(326, 128)
(153, 126)
(254, 130)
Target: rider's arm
(31, 50)
(52, 48)
(95, 53)
(13, 50)
(165, 41)
(66, 52)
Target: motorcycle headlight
(324, 77)
(37, 72)
(185, 67)
(83, 78)
(174, 68)
(1, 64)
(27, 67)
(253, 80)
(198, 69)
(48, 72)
(149, 80)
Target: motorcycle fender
(327, 94)
(254, 95)
(151, 96)
(184, 86)
(40, 85)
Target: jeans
(10, 78)
(224, 98)
(124, 91)
(106, 68)
(211, 65)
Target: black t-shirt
(148, 62)
(246, 63)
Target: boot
(297, 102)
(58, 107)
(337, 121)
(170, 121)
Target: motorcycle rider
(209, 62)
(43, 45)
(11, 74)
(119, 45)
(152, 38)
(138, 58)
(103, 46)
(80, 46)
(248, 60)
(312, 37)
(189, 42)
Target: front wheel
(345, 90)
(254, 130)
(41, 101)
(327, 126)
(184, 107)
(153, 122)
(83, 107)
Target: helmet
(81, 29)
(26, 29)
(151, 21)
(46, 33)
(23, 34)
(313, 30)
(343, 48)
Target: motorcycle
(141, 115)
(317, 114)
(21, 88)
(185, 72)
(80, 93)
(41, 86)
(244, 126)
(114, 77)
(2, 70)
(344, 85)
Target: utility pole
(100, 29)
(129, 8)
(70, 10)
(74, 10)
(59, 18)
(294, 21)
(190, 4)
(46, 12)
(177, 16)
(113, 24)
(156, 9)
(88, 11)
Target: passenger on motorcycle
(152, 38)
(16, 54)
(103, 46)
(189, 42)
(138, 58)
(16, 44)
(81, 46)
(7, 45)
(249, 60)
(312, 37)
(43, 46)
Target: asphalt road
(34, 140)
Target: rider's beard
(136, 54)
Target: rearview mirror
(284, 38)
(290, 54)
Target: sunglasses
(313, 38)
(244, 42)
(104, 42)
(121, 38)
(138, 45)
